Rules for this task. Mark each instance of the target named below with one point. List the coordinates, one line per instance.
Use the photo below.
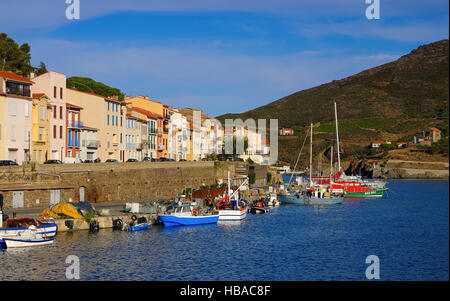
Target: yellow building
(40, 117)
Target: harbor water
(407, 230)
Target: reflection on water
(292, 242)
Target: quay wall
(31, 186)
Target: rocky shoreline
(400, 169)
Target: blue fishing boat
(186, 215)
(141, 227)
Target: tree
(41, 69)
(15, 58)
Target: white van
(72, 160)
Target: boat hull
(141, 227)
(46, 230)
(232, 214)
(23, 243)
(366, 194)
(173, 220)
(324, 201)
(292, 199)
(303, 200)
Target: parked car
(182, 160)
(111, 161)
(7, 163)
(88, 161)
(162, 159)
(148, 159)
(53, 161)
(70, 160)
(132, 160)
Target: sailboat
(230, 207)
(315, 194)
(351, 186)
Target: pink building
(53, 84)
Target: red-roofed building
(286, 131)
(15, 117)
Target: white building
(15, 93)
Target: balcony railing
(75, 124)
(130, 145)
(139, 146)
(74, 143)
(90, 143)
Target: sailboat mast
(310, 157)
(331, 163)
(337, 138)
(229, 186)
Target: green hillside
(392, 101)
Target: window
(60, 112)
(27, 109)
(61, 93)
(112, 120)
(12, 108)
(13, 133)
(41, 113)
(54, 131)
(60, 132)
(54, 113)
(107, 117)
(117, 121)
(54, 91)
(41, 132)
(108, 106)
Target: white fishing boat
(273, 200)
(230, 207)
(27, 238)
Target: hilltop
(391, 101)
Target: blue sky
(224, 55)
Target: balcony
(90, 143)
(139, 146)
(130, 145)
(161, 147)
(75, 124)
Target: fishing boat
(230, 207)
(352, 186)
(29, 237)
(136, 224)
(314, 194)
(24, 242)
(273, 200)
(18, 226)
(187, 215)
(141, 227)
(259, 207)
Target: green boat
(379, 193)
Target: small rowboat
(141, 227)
(27, 242)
